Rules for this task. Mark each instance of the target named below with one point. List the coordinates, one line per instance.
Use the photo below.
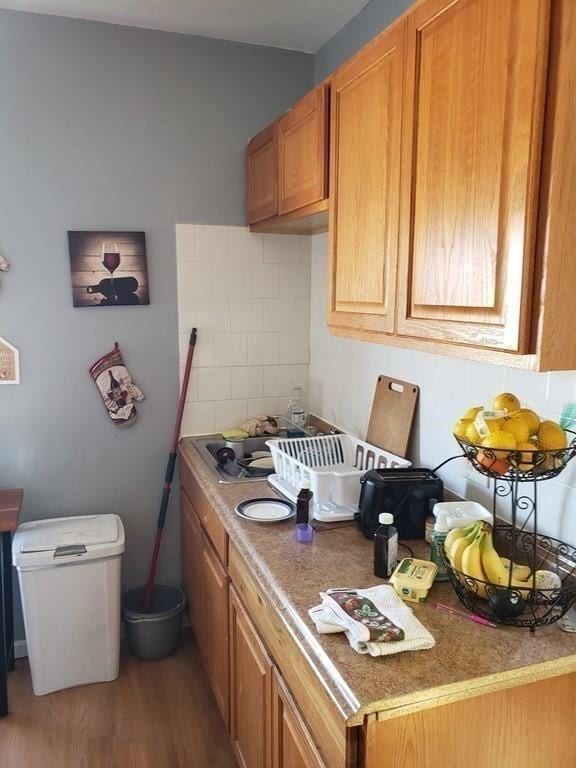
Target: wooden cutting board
(392, 415)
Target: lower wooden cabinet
(292, 746)
(213, 635)
(250, 690)
(191, 551)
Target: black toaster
(409, 494)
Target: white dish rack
(333, 464)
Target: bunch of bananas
(471, 552)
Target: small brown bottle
(304, 531)
(385, 546)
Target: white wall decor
(249, 297)
(9, 363)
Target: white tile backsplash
(263, 280)
(246, 315)
(230, 281)
(294, 281)
(212, 243)
(263, 349)
(248, 296)
(230, 349)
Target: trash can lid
(50, 535)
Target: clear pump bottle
(296, 412)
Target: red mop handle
(149, 590)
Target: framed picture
(108, 268)
(9, 363)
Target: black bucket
(155, 635)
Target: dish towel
(375, 620)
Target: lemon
(489, 421)
(530, 417)
(472, 412)
(551, 436)
(506, 401)
(472, 434)
(500, 439)
(518, 427)
(460, 428)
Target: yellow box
(413, 578)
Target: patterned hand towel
(375, 620)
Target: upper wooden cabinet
(463, 110)
(302, 148)
(262, 175)
(473, 116)
(287, 169)
(366, 119)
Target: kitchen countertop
(467, 659)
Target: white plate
(265, 510)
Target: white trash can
(69, 569)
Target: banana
(459, 545)
(472, 562)
(520, 572)
(496, 570)
(457, 533)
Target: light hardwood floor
(155, 715)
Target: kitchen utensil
(333, 464)
(392, 415)
(472, 616)
(265, 510)
(173, 455)
(408, 493)
(238, 445)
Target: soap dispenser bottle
(437, 539)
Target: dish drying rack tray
(333, 464)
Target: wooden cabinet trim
(365, 185)
(214, 632)
(310, 112)
(326, 723)
(284, 710)
(262, 175)
(208, 516)
(242, 629)
(191, 553)
(499, 316)
(456, 733)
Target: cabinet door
(262, 175)
(366, 111)
(214, 634)
(292, 746)
(250, 690)
(191, 555)
(302, 152)
(475, 82)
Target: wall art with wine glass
(108, 268)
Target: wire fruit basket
(530, 605)
(522, 465)
(333, 465)
(550, 590)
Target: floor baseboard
(20, 650)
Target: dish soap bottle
(437, 539)
(385, 546)
(304, 531)
(296, 412)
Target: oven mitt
(395, 628)
(115, 384)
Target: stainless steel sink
(207, 447)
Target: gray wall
(362, 28)
(108, 127)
